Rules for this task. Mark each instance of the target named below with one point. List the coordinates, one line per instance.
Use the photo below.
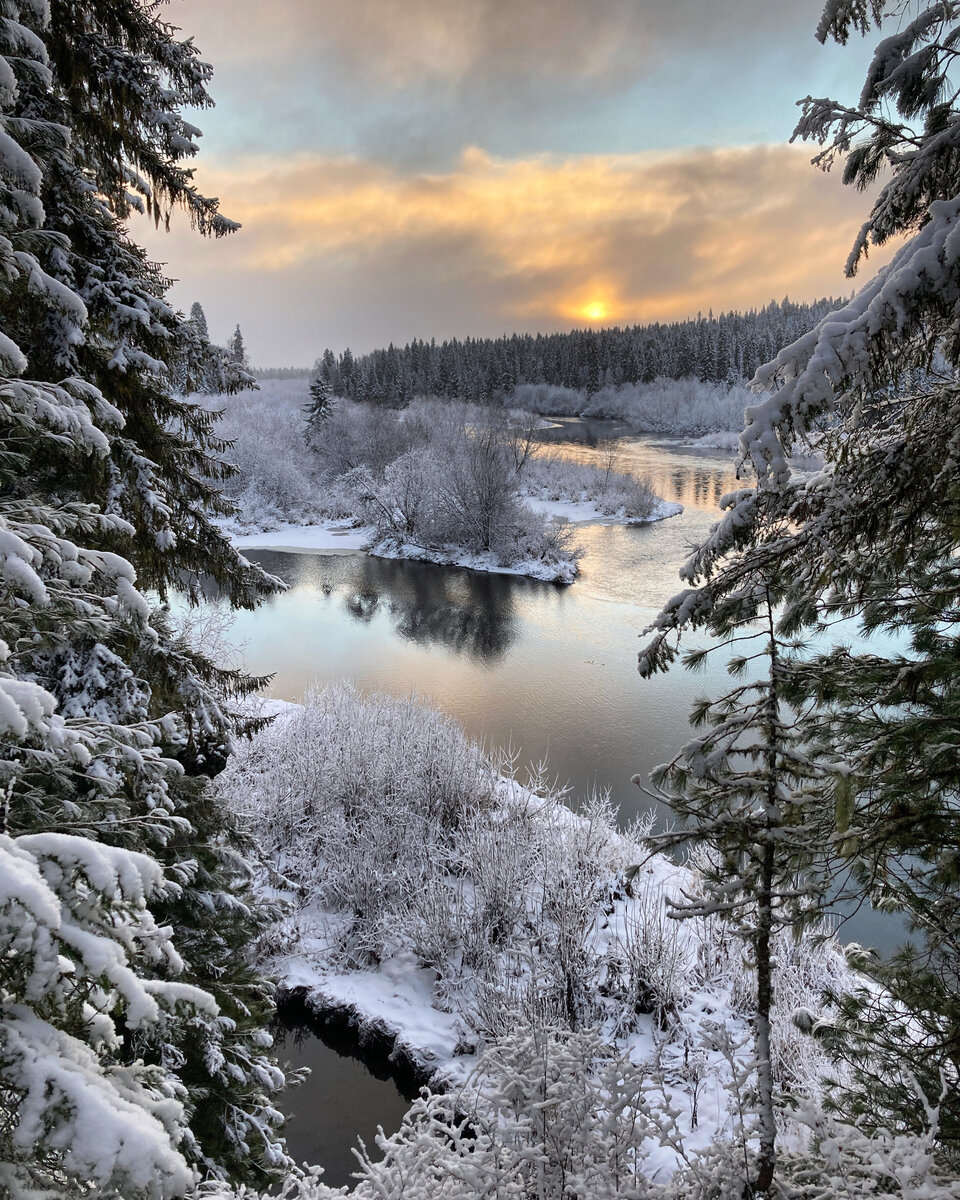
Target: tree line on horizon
(725, 348)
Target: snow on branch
(813, 372)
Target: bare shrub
(615, 493)
(685, 407)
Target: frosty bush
(615, 493)
(552, 1115)
(277, 479)
(685, 407)
(455, 484)
(438, 479)
(360, 435)
(405, 843)
(547, 398)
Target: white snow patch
(586, 512)
(308, 539)
(555, 571)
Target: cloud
(414, 84)
(343, 251)
(401, 46)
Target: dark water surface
(548, 671)
(346, 1096)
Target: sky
(443, 168)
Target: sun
(596, 310)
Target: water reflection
(463, 612)
(348, 1093)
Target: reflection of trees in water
(465, 611)
(363, 606)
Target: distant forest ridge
(729, 347)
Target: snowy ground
(589, 513)
(308, 539)
(335, 539)
(446, 906)
(555, 571)
(338, 538)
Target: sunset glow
(451, 172)
(596, 310)
(359, 254)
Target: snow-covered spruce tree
(98, 452)
(199, 365)
(875, 536)
(85, 964)
(317, 408)
(743, 792)
(236, 350)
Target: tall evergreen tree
(743, 791)
(198, 365)
(111, 721)
(236, 349)
(874, 537)
(317, 408)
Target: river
(546, 671)
(550, 671)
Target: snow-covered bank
(363, 539)
(341, 539)
(549, 568)
(590, 512)
(449, 905)
(308, 539)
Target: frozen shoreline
(691, 1007)
(586, 512)
(337, 538)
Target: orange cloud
(541, 242)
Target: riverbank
(446, 906)
(344, 537)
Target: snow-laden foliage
(127, 1065)
(547, 398)
(906, 116)
(78, 940)
(441, 481)
(457, 487)
(201, 366)
(488, 907)
(872, 536)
